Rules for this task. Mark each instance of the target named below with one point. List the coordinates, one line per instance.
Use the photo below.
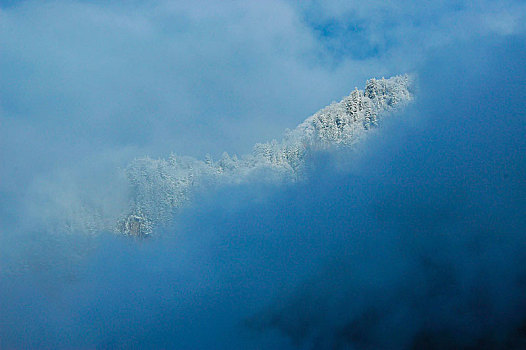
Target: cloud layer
(416, 239)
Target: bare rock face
(161, 186)
(135, 226)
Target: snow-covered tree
(160, 187)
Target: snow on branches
(161, 186)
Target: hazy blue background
(417, 241)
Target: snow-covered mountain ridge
(159, 187)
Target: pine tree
(160, 187)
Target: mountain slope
(160, 186)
